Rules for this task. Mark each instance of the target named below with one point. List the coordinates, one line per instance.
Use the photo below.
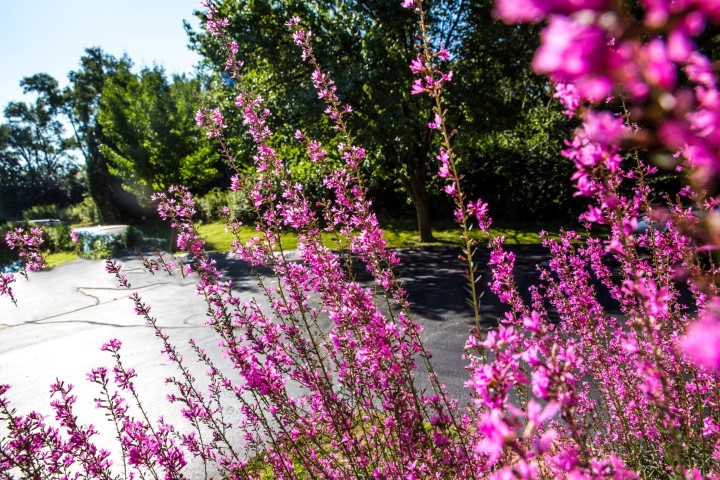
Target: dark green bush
(85, 212)
(37, 212)
(57, 239)
(209, 206)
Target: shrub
(57, 239)
(51, 211)
(210, 206)
(85, 212)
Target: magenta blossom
(574, 52)
(702, 343)
(532, 11)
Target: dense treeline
(116, 134)
(511, 130)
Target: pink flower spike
(5, 280)
(408, 3)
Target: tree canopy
(152, 141)
(510, 132)
(36, 161)
(366, 47)
(82, 100)
(136, 134)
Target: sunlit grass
(58, 258)
(398, 235)
(218, 239)
(406, 237)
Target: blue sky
(51, 35)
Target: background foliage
(118, 134)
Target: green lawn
(58, 258)
(399, 234)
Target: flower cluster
(28, 244)
(668, 88)
(431, 80)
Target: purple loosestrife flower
(5, 280)
(200, 118)
(531, 11)
(562, 388)
(702, 343)
(28, 244)
(436, 124)
(80, 446)
(572, 52)
(568, 96)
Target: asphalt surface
(65, 315)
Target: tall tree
(82, 103)
(367, 47)
(36, 158)
(151, 140)
(511, 128)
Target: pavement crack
(83, 291)
(98, 301)
(117, 325)
(44, 319)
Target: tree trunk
(114, 203)
(423, 219)
(413, 180)
(415, 186)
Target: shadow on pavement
(436, 285)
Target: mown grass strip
(398, 234)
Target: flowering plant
(609, 368)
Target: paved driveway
(66, 314)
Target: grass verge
(58, 258)
(398, 234)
